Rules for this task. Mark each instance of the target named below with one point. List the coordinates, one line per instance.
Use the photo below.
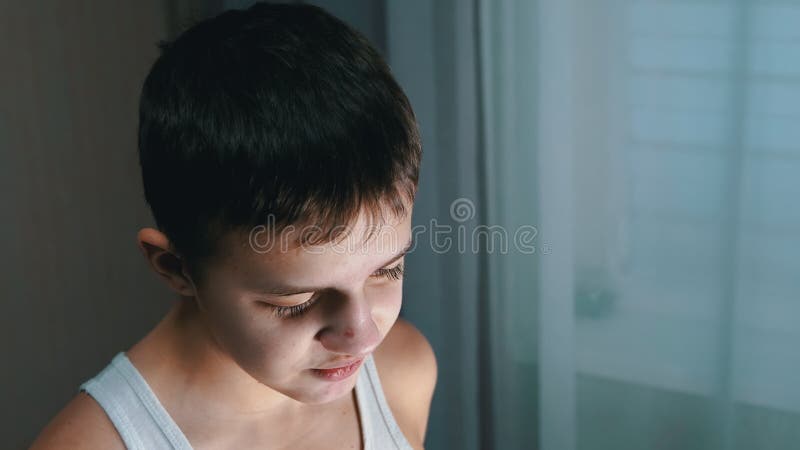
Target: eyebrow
(286, 290)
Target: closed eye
(394, 273)
(294, 310)
(391, 273)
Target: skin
(233, 374)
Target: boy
(267, 139)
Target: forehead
(363, 247)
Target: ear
(156, 248)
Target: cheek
(256, 341)
(386, 306)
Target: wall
(73, 286)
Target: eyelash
(293, 311)
(393, 273)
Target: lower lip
(337, 374)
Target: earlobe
(156, 249)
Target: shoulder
(82, 424)
(407, 368)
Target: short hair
(281, 110)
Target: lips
(338, 373)
(341, 364)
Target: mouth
(338, 373)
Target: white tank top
(144, 424)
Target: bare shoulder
(407, 367)
(82, 424)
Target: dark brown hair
(277, 110)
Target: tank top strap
(133, 408)
(379, 427)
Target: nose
(351, 330)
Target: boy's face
(353, 304)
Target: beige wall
(74, 288)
